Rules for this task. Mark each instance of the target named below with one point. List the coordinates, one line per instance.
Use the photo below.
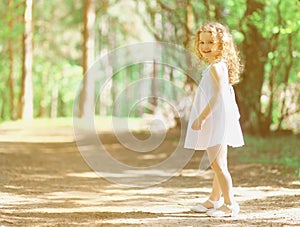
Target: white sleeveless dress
(222, 126)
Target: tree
(255, 50)
(87, 93)
(26, 94)
(263, 33)
(11, 78)
(270, 29)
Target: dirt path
(49, 184)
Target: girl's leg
(215, 194)
(218, 159)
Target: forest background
(46, 47)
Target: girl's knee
(219, 168)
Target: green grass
(102, 122)
(37, 122)
(278, 150)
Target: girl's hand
(197, 124)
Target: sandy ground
(46, 182)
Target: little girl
(214, 120)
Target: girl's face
(208, 46)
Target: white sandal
(234, 210)
(202, 209)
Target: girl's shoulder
(219, 63)
(219, 70)
(220, 66)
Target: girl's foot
(207, 206)
(225, 211)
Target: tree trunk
(54, 102)
(267, 118)
(190, 21)
(89, 15)
(87, 93)
(189, 25)
(154, 88)
(288, 67)
(11, 79)
(141, 90)
(43, 106)
(255, 49)
(3, 105)
(219, 9)
(116, 110)
(26, 95)
(61, 107)
(207, 11)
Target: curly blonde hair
(228, 51)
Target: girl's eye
(201, 43)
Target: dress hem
(205, 148)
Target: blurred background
(46, 47)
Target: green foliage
(278, 150)
(277, 22)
